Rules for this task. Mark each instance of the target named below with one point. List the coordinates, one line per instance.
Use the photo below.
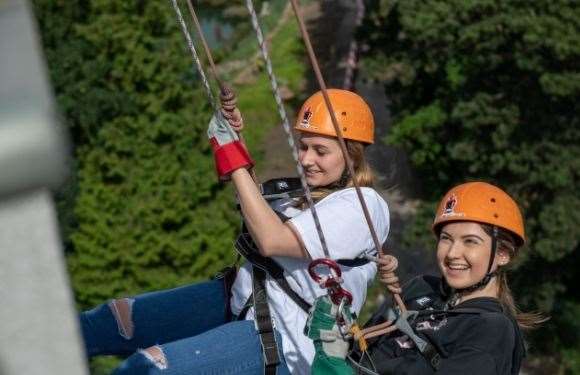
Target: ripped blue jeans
(176, 332)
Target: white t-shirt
(347, 236)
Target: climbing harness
(245, 246)
(264, 323)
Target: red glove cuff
(230, 157)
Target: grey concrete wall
(39, 331)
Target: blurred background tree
(490, 90)
(144, 213)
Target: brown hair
(507, 242)
(363, 174)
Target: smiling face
(463, 252)
(321, 158)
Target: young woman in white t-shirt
(188, 330)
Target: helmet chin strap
(488, 275)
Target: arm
(232, 161)
(273, 237)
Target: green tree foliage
(485, 89)
(148, 210)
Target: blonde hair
(363, 175)
(507, 243)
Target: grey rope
(194, 55)
(361, 368)
(285, 122)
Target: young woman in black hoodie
(467, 321)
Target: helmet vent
(495, 215)
(492, 200)
(344, 113)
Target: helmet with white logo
(483, 203)
(352, 113)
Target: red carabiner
(337, 295)
(331, 264)
(332, 282)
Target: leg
(232, 348)
(124, 325)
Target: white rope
(285, 122)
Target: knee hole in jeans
(122, 310)
(155, 354)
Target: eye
(471, 241)
(444, 237)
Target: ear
(502, 258)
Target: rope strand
(286, 123)
(338, 131)
(194, 55)
(204, 43)
(227, 97)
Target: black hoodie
(475, 337)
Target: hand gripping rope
(227, 96)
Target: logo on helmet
(448, 208)
(305, 122)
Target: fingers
(387, 266)
(234, 118)
(229, 110)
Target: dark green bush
(490, 90)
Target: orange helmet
(483, 203)
(352, 112)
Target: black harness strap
(263, 321)
(246, 247)
(228, 276)
(432, 355)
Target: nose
(453, 250)
(305, 157)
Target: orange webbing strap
(359, 337)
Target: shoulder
(497, 322)
(488, 331)
(349, 196)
